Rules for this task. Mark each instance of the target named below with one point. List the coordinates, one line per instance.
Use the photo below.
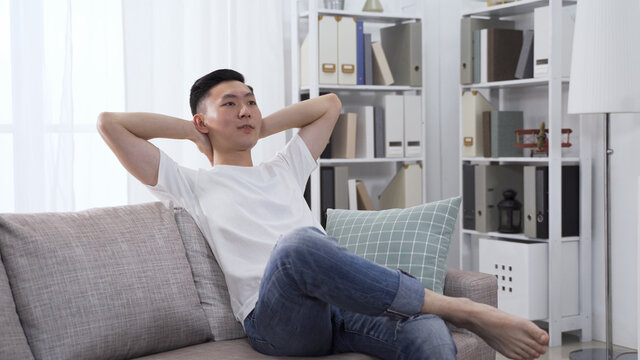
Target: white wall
(443, 94)
(169, 44)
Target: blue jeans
(317, 299)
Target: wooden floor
(571, 343)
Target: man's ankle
(458, 311)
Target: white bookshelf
(377, 171)
(516, 94)
(383, 17)
(519, 160)
(512, 9)
(329, 162)
(512, 84)
(519, 236)
(306, 89)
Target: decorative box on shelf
(522, 272)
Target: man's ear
(198, 122)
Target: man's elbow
(335, 103)
(105, 123)
(104, 118)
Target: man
(295, 291)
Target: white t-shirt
(242, 211)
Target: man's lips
(246, 128)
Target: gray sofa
(136, 281)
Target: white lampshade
(605, 66)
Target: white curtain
(61, 64)
(169, 44)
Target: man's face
(232, 116)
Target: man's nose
(244, 111)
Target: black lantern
(510, 213)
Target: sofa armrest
(478, 287)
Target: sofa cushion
(109, 283)
(209, 280)
(414, 239)
(238, 350)
(13, 343)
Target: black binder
(570, 201)
(327, 200)
(378, 131)
(468, 197)
(542, 202)
(307, 193)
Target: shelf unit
(511, 84)
(329, 162)
(306, 89)
(519, 160)
(513, 8)
(350, 94)
(520, 236)
(553, 85)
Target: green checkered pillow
(415, 239)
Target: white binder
(484, 60)
(353, 194)
(394, 125)
(412, 125)
(340, 187)
(304, 62)
(328, 50)
(541, 45)
(347, 51)
(541, 42)
(473, 105)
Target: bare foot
(512, 336)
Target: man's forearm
(149, 126)
(300, 114)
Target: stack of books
(493, 50)
(339, 191)
(348, 56)
(377, 132)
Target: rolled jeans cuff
(409, 298)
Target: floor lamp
(605, 79)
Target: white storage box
(522, 272)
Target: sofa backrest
(209, 280)
(108, 283)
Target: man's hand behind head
(204, 145)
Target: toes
(534, 346)
(540, 336)
(544, 339)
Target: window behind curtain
(65, 67)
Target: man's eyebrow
(233, 96)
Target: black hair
(201, 87)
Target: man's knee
(304, 242)
(427, 337)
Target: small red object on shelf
(537, 139)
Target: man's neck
(239, 158)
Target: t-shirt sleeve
(175, 183)
(298, 158)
